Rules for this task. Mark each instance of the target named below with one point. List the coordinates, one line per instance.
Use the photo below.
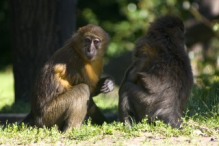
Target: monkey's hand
(104, 85)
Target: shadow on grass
(204, 98)
(20, 107)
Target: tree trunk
(38, 29)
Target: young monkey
(65, 86)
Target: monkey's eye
(87, 40)
(96, 41)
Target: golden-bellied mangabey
(65, 86)
(159, 80)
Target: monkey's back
(159, 80)
(54, 78)
(167, 65)
(168, 79)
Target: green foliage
(125, 20)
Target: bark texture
(38, 29)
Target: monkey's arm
(95, 114)
(104, 85)
(131, 73)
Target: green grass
(7, 94)
(6, 88)
(201, 122)
(108, 102)
(204, 98)
(109, 134)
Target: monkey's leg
(94, 112)
(139, 102)
(69, 109)
(133, 101)
(127, 91)
(104, 85)
(124, 108)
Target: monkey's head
(169, 27)
(167, 22)
(91, 42)
(165, 33)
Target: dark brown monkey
(65, 86)
(159, 80)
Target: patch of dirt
(149, 139)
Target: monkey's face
(91, 42)
(92, 47)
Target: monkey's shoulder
(89, 74)
(164, 65)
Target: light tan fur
(94, 70)
(60, 70)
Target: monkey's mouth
(90, 56)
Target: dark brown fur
(159, 80)
(65, 86)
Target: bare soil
(149, 139)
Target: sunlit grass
(108, 102)
(204, 98)
(200, 121)
(112, 134)
(6, 88)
